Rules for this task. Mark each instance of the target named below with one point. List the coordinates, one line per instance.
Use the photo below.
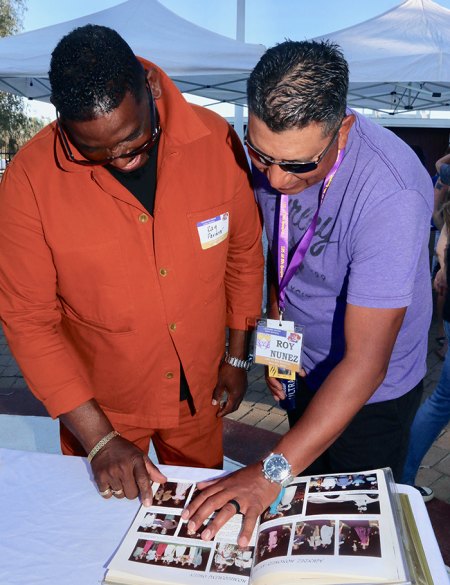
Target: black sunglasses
(148, 144)
(295, 167)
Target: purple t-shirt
(370, 249)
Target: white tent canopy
(399, 61)
(198, 60)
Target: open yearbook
(331, 529)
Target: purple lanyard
(287, 271)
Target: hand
(247, 486)
(232, 382)
(121, 467)
(275, 387)
(440, 282)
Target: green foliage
(11, 16)
(15, 126)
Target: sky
(266, 22)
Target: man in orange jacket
(130, 240)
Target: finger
(227, 511)
(116, 488)
(143, 481)
(154, 473)
(279, 395)
(275, 388)
(248, 526)
(202, 507)
(229, 406)
(217, 394)
(105, 492)
(273, 384)
(117, 492)
(198, 501)
(207, 489)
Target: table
(56, 530)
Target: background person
(434, 414)
(441, 195)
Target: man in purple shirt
(362, 290)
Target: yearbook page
(159, 549)
(336, 529)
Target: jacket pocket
(210, 233)
(93, 286)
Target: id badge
(278, 345)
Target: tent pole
(240, 36)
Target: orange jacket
(99, 299)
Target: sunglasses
(295, 167)
(147, 145)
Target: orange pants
(195, 442)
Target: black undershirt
(142, 184)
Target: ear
(346, 125)
(154, 81)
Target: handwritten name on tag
(213, 231)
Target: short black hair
(91, 70)
(299, 82)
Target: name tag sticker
(213, 231)
(279, 345)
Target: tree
(15, 126)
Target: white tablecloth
(56, 530)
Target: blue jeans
(429, 421)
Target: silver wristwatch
(237, 363)
(276, 469)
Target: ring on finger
(106, 492)
(235, 503)
(117, 492)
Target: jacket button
(143, 218)
(173, 326)
(169, 375)
(163, 272)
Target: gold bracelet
(101, 444)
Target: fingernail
(206, 534)
(147, 502)
(214, 402)
(191, 526)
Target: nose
(279, 179)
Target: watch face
(276, 468)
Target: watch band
(237, 362)
(287, 481)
